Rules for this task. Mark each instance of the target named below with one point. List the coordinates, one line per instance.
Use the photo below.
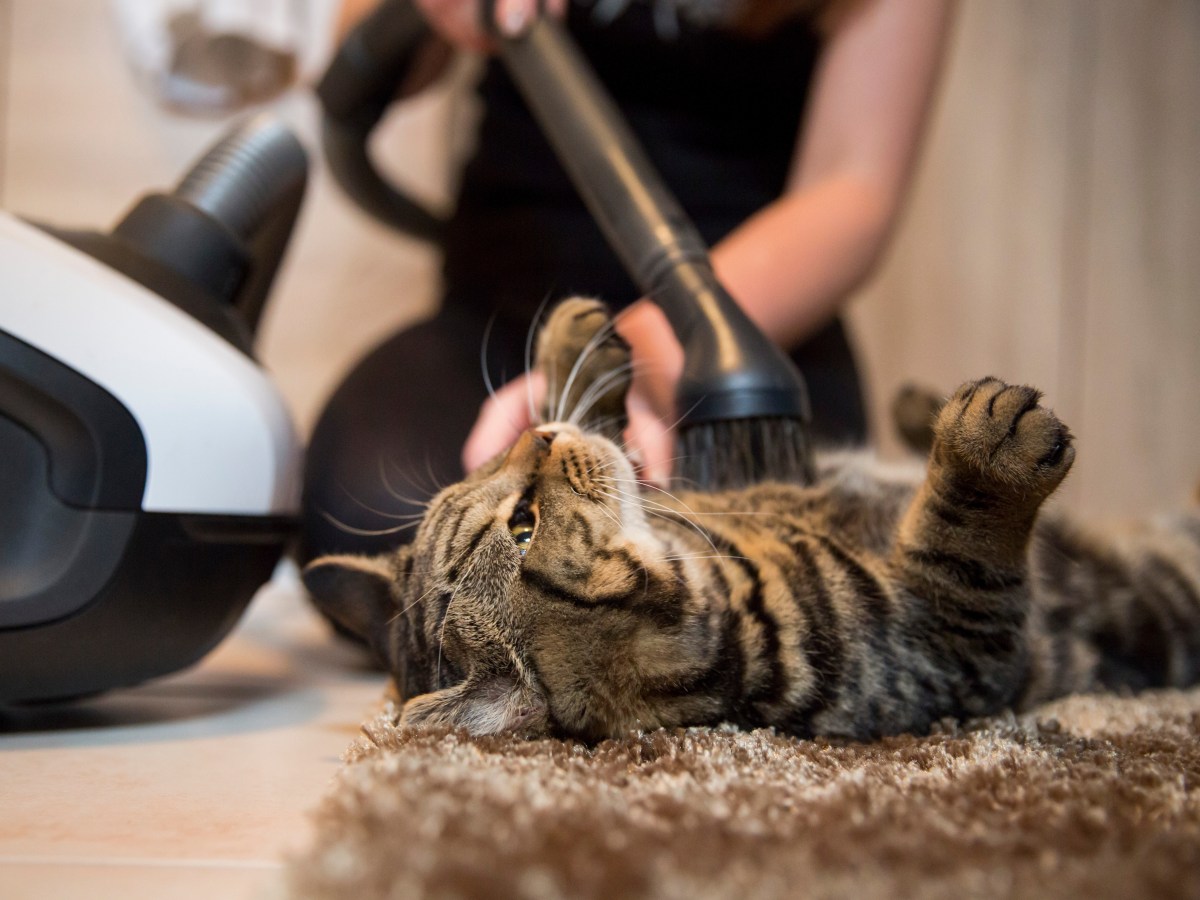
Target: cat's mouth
(591, 463)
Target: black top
(717, 113)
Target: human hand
(657, 361)
(461, 22)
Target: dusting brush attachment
(726, 456)
(743, 407)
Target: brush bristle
(737, 453)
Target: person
(788, 131)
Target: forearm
(792, 264)
(789, 266)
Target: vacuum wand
(743, 406)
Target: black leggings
(392, 433)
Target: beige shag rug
(1089, 797)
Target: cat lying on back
(551, 593)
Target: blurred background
(1052, 235)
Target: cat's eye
(521, 526)
(522, 534)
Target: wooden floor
(193, 786)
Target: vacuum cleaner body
(149, 472)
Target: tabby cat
(552, 593)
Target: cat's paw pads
(1003, 433)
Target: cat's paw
(1002, 434)
(914, 412)
(579, 326)
(586, 364)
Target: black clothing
(716, 113)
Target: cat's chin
(493, 705)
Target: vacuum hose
(355, 91)
(244, 178)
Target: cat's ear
(488, 705)
(354, 591)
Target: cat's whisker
(487, 377)
(533, 329)
(651, 508)
(608, 512)
(670, 513)
(670, 428)
(589, 348)
(600, 464)
(603, 426)
(596, 391)
(365, 532)
(436, 484)
(391, 489)
(396, 495)
(646, 506)
(613, 485)
(694, 512)
(529, 340)
(378, 512)
(411, 605)
(602, 385)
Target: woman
(788, 131)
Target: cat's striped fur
(873, 602)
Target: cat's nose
(551, 430)
(530, 447)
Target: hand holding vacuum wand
(743, 407)
(742, 404)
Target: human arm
(793, 263)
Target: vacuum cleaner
(149, 471)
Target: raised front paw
(1001, 434)
(586, 364)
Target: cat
(551, 593)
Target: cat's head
(536, 596)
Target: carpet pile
(1086, 797)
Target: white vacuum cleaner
(149, 471)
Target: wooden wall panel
(974, 280)
(1050, 235)
(1139, 426)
